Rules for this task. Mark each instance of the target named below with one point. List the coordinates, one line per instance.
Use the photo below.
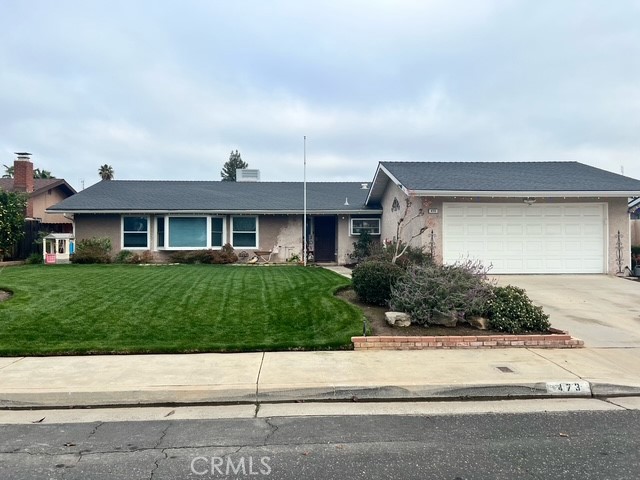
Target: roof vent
(364, 186)
(247, 175)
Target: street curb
(388, 393)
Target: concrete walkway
(304, 376)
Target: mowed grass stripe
(186, 308)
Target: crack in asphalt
(156, 463)
(274, 429)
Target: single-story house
(166, 216)
(518, 217)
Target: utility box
(57, 248)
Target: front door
(325, 239)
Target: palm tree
(106, 172)
(8, 171)
(37, 173)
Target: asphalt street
(569, 445)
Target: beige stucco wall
(344, 242)
(99, 226)
(45, 200)
(616, 213)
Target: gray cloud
(166, 90)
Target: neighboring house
(522, 217)
(519, 217)
(165, 216)
(42, 194)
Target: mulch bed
(379, 326)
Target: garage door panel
(475, 229)
(514, 229)
(538, 238)
(493, 229)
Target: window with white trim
(369, 225)
(187, 232)
(217, 232)
(183, 232)
(135, 232)
(244, 232)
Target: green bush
(362, 248)
(427, 291)
(222, 256)
(411, 256)
(372, 281)
(92, 250)
(34, 259)
(512, 311)
(124, 256)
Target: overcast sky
(166, 89)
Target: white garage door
(520, 238)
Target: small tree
(12, 211)
(400, 246)
(106, 172)
(228, 172)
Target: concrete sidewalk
(316, 376)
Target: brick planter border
(561, 340)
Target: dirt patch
(379, 326)
(4, 295)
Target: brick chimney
(23, 173)
(23, 178)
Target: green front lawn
(68, 309)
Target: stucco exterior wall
(391, 215)
(46, 199)
(344, 245)
(99, 226)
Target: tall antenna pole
(304, 188)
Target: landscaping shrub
(222, 256)
(512, 311)
(124, 256)
(92, 250)
(362, 248)
(372, 281)
(411, 256)
(429, 290)
(34, 259)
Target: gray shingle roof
(508, 177)
(215, 196)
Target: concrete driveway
(603, 311)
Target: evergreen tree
(235, 162)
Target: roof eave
(217, 212)
(377, 190)
(521, 193)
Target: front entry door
(325, 239)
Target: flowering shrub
(511, 310)
(372, 281)
(429, 290)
